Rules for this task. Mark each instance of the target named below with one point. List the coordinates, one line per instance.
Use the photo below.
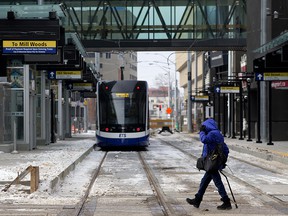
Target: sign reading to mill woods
(29, 47)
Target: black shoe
(194, 202)
(225, 206)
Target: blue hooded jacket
(211, 137)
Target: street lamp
(167, 69)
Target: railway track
(167, 209)
(154, 182)
(164, 207)
(96, 173)
(258, 191)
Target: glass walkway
(145, 25)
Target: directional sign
(227, 89)
(62, 75)
(200, 98)
(259, 77)
(51, 75)
(274, 76)
(29, 47)
(80, 86)
(217, 89)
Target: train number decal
(122, 135)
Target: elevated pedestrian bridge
(152, 25)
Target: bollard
(15, 137)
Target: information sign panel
(62, 75)
(274, 76)
(80, 86)
(29, 47)
(227, 89)
(200, 98)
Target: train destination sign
(62, 75)
(29, 47)
(271, 76)
(227, 89)
(122, 95)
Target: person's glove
(203, 128)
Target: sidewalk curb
(264, 154)
(254, 151)
(54, 182)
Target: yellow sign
(29, 47)
(122, 95)
(276, 76)
(68, 74)
(201, 98)
(230, 89)
(25, 43)
(82, 86)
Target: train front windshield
(122, 111)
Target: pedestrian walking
(210, 136)
(245, 127)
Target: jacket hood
(210, 124)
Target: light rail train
(122, 114)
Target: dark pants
(217, 181)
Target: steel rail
(167, 209)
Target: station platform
(276, 152)
(56, 160)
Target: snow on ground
(52, 160)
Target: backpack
(217, 158)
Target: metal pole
(176, 103)
(270, 114)
(195, 87)
(52, 116)
(241, 112)
(233, 116)
(263, 40)
(249, 109)
(224, 115)
(230, 116)
(189, 85)
(60, 111)
(122, 72)
(169, 93)
(258, 112)
(219, 108)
